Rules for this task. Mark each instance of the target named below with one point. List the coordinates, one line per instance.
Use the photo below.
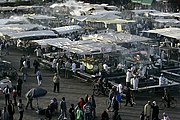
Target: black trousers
(29, 103)
(19, 88)
(11, 117)
(7, 98)
(128, 100)
(56, 86)
(115, 114)
(15, 102)
(21, 115)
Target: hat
(161, 74)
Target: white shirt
(119, 88)
(128, 76)
(38, 52)
(25, 64)
(82, 68)
(74, 67)
(135, 83)
(105, 66)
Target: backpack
(87, 107)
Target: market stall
(71, 31)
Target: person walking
(81, 103)
(73, 68)
(93, 103)
(21, 62)
(155, 111)
(72, 112)
(48, 113)
(36, 66)
(115, 108)
(128, 97)
(67, 69)
(28, 61)
(14, 95)
(88, 110)
(167, 97)
(63, 109)
(24, 73)
(39, 77)
(56, 80)
(7, 94)
(111, 95)
(128, 77)
(147, 111)
(38, 52)
(29, 102)
(11, 110)
(53, 66)
(79, 113)
(19, 86)
(5, 114)
(20, 109)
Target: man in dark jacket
(128, 97)
(155, 111)
(115, 108)
(6, 92)
(36, 66)
(19, 86)
(48, 113)
(63, 109)
(11, 110)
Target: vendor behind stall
(162, 80)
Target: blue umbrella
(36, 92)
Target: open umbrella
(36, 92)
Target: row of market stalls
(97, 49)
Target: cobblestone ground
(72, 90)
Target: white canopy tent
(68, 29)
(167, 21)
(22, 27)
(13, 21)
(41, 17)
(168, 32)
(161, 14)
(116, 38)
(32, 34)
(53, 41)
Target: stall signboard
(119, 27)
